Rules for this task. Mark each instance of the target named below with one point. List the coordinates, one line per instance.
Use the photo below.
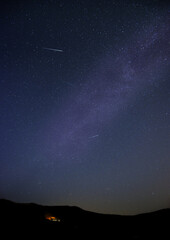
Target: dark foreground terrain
(62, 222)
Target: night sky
(85, 104)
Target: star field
(85, 104)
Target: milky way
(110, 87)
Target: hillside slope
(66, 221)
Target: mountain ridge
(73, 221)
(79, 208)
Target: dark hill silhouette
(21, 219)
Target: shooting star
(95, 136)
(53, 49)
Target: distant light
(53, 219)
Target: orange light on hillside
(53, 219)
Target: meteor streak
(53, 49)
(94, 136)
